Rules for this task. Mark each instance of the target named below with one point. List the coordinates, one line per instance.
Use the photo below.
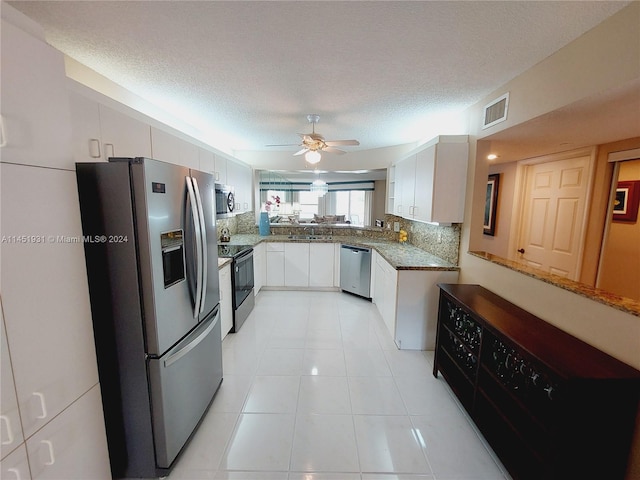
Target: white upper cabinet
(34, 102)
(124, 136)
(240, 178)
(430, 183)
(221, 170)
(171, 149)
(85, 121)
(207, 162)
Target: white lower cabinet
(296, 264)
(275, 265)
(259, 267)
(226, 300)
(72, 445)
(408, 303)
(321, 264)
(300, 265)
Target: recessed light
(492, 156)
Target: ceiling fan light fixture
(312, 157)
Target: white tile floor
(315, 389)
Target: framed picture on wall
(625, 204)
(491, 204)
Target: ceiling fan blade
(333, 150)
(300, 152)
(284, 145)
(333, 143)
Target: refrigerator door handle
(174, 357)
(198, 235)
(203, 233)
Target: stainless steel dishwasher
(355, 270)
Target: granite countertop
(400, 256)
(222, 262)
(621, 303)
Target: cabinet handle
(52, 457)
(16, 472)
(43, 406)
(108, 151)
(7, 424)
(94, 148)
(3, 133)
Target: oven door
(242, 276)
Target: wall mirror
(587, 147)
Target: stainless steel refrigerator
(151, 253)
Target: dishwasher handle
(356, 249)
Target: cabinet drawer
(458, 382)
(463, 357)
(274, 247)
(463, 325)
(525, 379)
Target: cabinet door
(10, 427)
(34, 102)
(321, 261)
(405, 182)
(171, 149)
(207, 162)
(275, 265)
(85, 123)
(221, 170)
(239, 177)
(450, 182)
(73, 445)
(259, 267)
(226, 301)
(296, 264)
(390, 296)
(423, 197)
(123, 136)
(15, 466)
(44, 292)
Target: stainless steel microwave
(225, 201)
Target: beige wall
(621, 256)
(582, 69)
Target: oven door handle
(244, 256)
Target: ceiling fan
(313, 143)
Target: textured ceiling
(248, 73)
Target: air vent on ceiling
(496, 111)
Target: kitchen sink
(310, 237)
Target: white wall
(603, 58)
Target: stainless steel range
(241, 280)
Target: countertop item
(400, 256)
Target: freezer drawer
(183, 383)
(355, 270)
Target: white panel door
(274, 265)
(552, 231)
(321, 261)
(73, 446)
(34, 102)
(44, 292)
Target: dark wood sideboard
(550, 405)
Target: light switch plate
(396, 226)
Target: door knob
(521, 250)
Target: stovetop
(229, 251)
